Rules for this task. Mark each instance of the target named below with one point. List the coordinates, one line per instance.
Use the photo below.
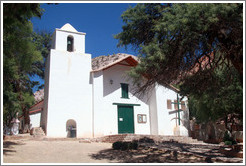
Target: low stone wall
(37, 131)
(154, 138)
(212, 132)
(238, 136)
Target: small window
(124, 91)
(169, 104)
(70, 43)
(142, 118)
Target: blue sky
(100, 21)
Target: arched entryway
(71, 128)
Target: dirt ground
(31, 151)
(75, 151)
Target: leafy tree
(19, 57)
(196, 47)
(216, 103)
(42, 40)
(172, 39)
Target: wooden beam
(124, 64)
(174, 111)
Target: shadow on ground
(8, 147)
(166, 152)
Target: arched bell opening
(70, 43)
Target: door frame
(125, 104)
(133, 124)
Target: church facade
(85, 97)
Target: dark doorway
(71, 128)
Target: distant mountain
(39, 95)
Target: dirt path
(73, 151)
(31, 151)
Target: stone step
(230, 151)
(238, 147)
(239, 154)
(17, 137)
(155, 138)
(37, 131)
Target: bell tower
(68, 91)
(67, 38)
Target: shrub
(226, 136)
(117, 145)
(125, 145)
(146, 140)
(228, 142)
(228, 139)
(133, 145)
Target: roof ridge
(104, 61)
(68, 27)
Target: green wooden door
(125, 119)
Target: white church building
(85, 97)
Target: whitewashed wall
(165, 123)
(105, 94)
(99, 115)
(35, 119)
(35, 114)
(153, 113)
(72, 91)
(69, 88)
(79, 41)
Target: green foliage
(198, 47)
(42, 40)
(218, 100)
(19, 56)
(119, 145)
(124, 146)
(228, 143)
(226, 136)
(133, 145)
(228, 139)
(171, 38)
